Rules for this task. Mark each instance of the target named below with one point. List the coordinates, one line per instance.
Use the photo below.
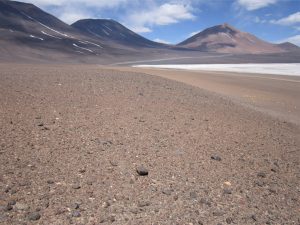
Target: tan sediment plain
(277, 95)
(72, 137)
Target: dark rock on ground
(34, 216)
(76, 213)
(142, 171)
(216, 157)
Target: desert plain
(76, 140)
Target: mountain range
(30, 34)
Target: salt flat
(292, 69)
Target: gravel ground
(84, 145)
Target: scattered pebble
(113, 163)
(260, 183)
(227, 183)
(75, 206)
(216, 157)
(34, 216)
(142, 171)
(105, 204)
(167, 191)
(20, 206)
(8, 208)
(50, 182)
(253, 217)
(261, 174)
(227, 191)
(76, 186)
(143, 204)
(76, 213)
(229, 220)
(218, 213)
(82, 171)
(274, 170)
(12, 202)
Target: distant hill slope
(289, 46)
(29, 32)
(227, 39)
(110, 30)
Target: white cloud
(255, 4)
(71, 17)
(161, 41)
(71, 11)
(294, 39)
(96, 3)
(139, 15)
(259, 20)
(289, 20)
(161, 15)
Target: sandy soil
(72, 138)
(275, 94)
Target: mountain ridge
(29, 32)
(225, 38)
(111, 30)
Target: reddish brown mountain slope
(227, 39)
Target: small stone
(274, 170)
(8, 208)
(20, 206)
(76, 186)
(253, 217)
(50, 182)
(229, 220)
(167, 191)
(40, 124)
(12, 202)
(76, 213)
(34, 216)
(142, 171)
(218, 213)
(75, 206)
(227, 183)
(113, 163)
(227, 191)
(143, 204)
(261, 174)
(260, 183)
(82, 170)
(216, 157)
(105, 204)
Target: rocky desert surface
(87, 145)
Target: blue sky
(173, 21)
